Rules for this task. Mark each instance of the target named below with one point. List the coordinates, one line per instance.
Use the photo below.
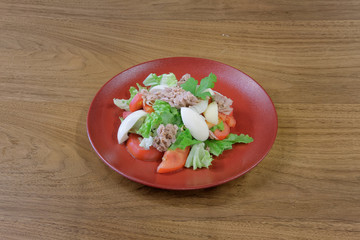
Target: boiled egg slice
(195, 123)
(128, 123)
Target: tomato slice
(173, 160)
(228, 119)
(133, 147)
(136, 103)
(125, 114)
(222, 116)
(147, 108)
(220, 135)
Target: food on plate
(182, 123)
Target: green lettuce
(198, 157)
(163, 114)
(218, 146)
(164, 79)
(124, 103)
(149, 126)
(184, 139)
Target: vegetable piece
(195, 123)
(190, 85)
(163, 114)
(222, 134)
(183, 140)
(207, 82)
(167, 113)
(125, 114)
(217, 147)
(124, 103)
(198, 157)
(200, 107)
(211, 113)
(129, 122)
(136, 103)
(152, 80)
(200, 91)
(228, 119)
(164, 79)
(138, 152)
(173, 160)
(222, 116)
(152, 121)
(168, 80)
(220, 126)
(147, 108)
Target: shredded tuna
(184, 78)
(175, 96)
(166, 135)
(224, 103)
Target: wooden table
(55, 55)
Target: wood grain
(55, 56)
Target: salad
(182, 123)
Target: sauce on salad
(182, 123)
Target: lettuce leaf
(168, 80)
(184, 139)
(163, 114)
(218, 146)
(124, 103)
(149, 126)
(167, 113)
(164, 79)
(198, 157)
(191, 85)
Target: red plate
(253, 109)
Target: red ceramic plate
(253, 109)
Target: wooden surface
(55, 55)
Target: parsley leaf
(207, 82)
(220, 126)
(191, 85)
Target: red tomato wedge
(173, 160)
(133, 147)
(136, 103)
(147, 108)
(222, 116)
(220, 135)
(125, 114)
(228, 119)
